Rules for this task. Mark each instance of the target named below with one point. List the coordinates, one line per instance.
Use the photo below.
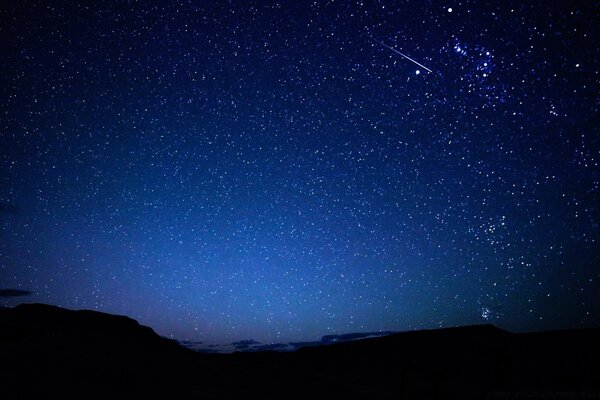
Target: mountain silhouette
(48, 351)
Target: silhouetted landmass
(48, 351)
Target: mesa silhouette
(50, 351)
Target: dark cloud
(328, 339)
(190, 342)
(14, 293)
(252, 345)
(244, 344)
(299, 345)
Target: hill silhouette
(53, 352)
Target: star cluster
(233, 170)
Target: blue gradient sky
(233, 170)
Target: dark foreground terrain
(50, 352)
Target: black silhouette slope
(461, 362)
(50, 349)
(466, 362)
(51, 352)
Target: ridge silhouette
(53, 352)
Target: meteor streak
(396, 51)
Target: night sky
(279, 171)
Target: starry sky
(283, 170)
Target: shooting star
(396, 51)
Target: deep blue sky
(227, 170)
